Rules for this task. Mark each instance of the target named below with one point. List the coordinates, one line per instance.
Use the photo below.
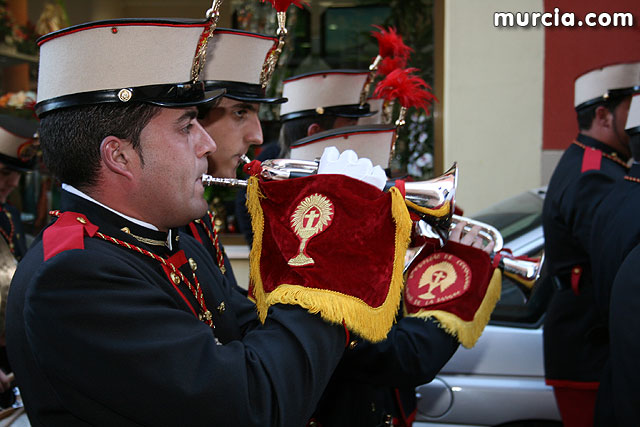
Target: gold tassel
(468, 333)
(257, 224)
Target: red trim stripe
(195, 233)
(242, 33)
(581, 385)
(167, 271)
(114, 24)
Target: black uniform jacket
(574, 332)
(197, 230)
(100, 336)
(619, 396)
(10, 222)
(362, 391)
(616, 231)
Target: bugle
(433, 199)
(524, 271)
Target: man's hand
(470, 238)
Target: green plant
(414, 21)
(21, 37)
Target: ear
(603, 117)
(118, 156)
(313, 129)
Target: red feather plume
(390, 43)
(408, 89)
(283, 5)
(387, 65)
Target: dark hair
(587, 114)
(295, 129)
(70, 138)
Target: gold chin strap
(213, 15)
(373, 69)
(145, 240)
(271, 62)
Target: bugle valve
(488, 232)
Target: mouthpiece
(208, 180)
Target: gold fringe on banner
(468, 332)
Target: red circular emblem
(438, 278)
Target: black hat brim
(165, 95)
(350, 111)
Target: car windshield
(519, 220)
(515, 216)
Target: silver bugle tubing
(522, 271)
(208, 180)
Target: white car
(500, 381)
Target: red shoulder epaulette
(591, 159)
(66, 233)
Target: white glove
(347, 163)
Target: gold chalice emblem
(441, 275)
(312, 216)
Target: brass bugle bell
(433, 199)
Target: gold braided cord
(144, 240)
(271, 62)
(215, 240)
(373, 69)
(197, 292)
(200, 58)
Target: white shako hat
(633, 119)
(603, 83)
(371, 141)
(18, 142)
(234, 62)
(376, 105)
(121, 61)
(335, 92)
